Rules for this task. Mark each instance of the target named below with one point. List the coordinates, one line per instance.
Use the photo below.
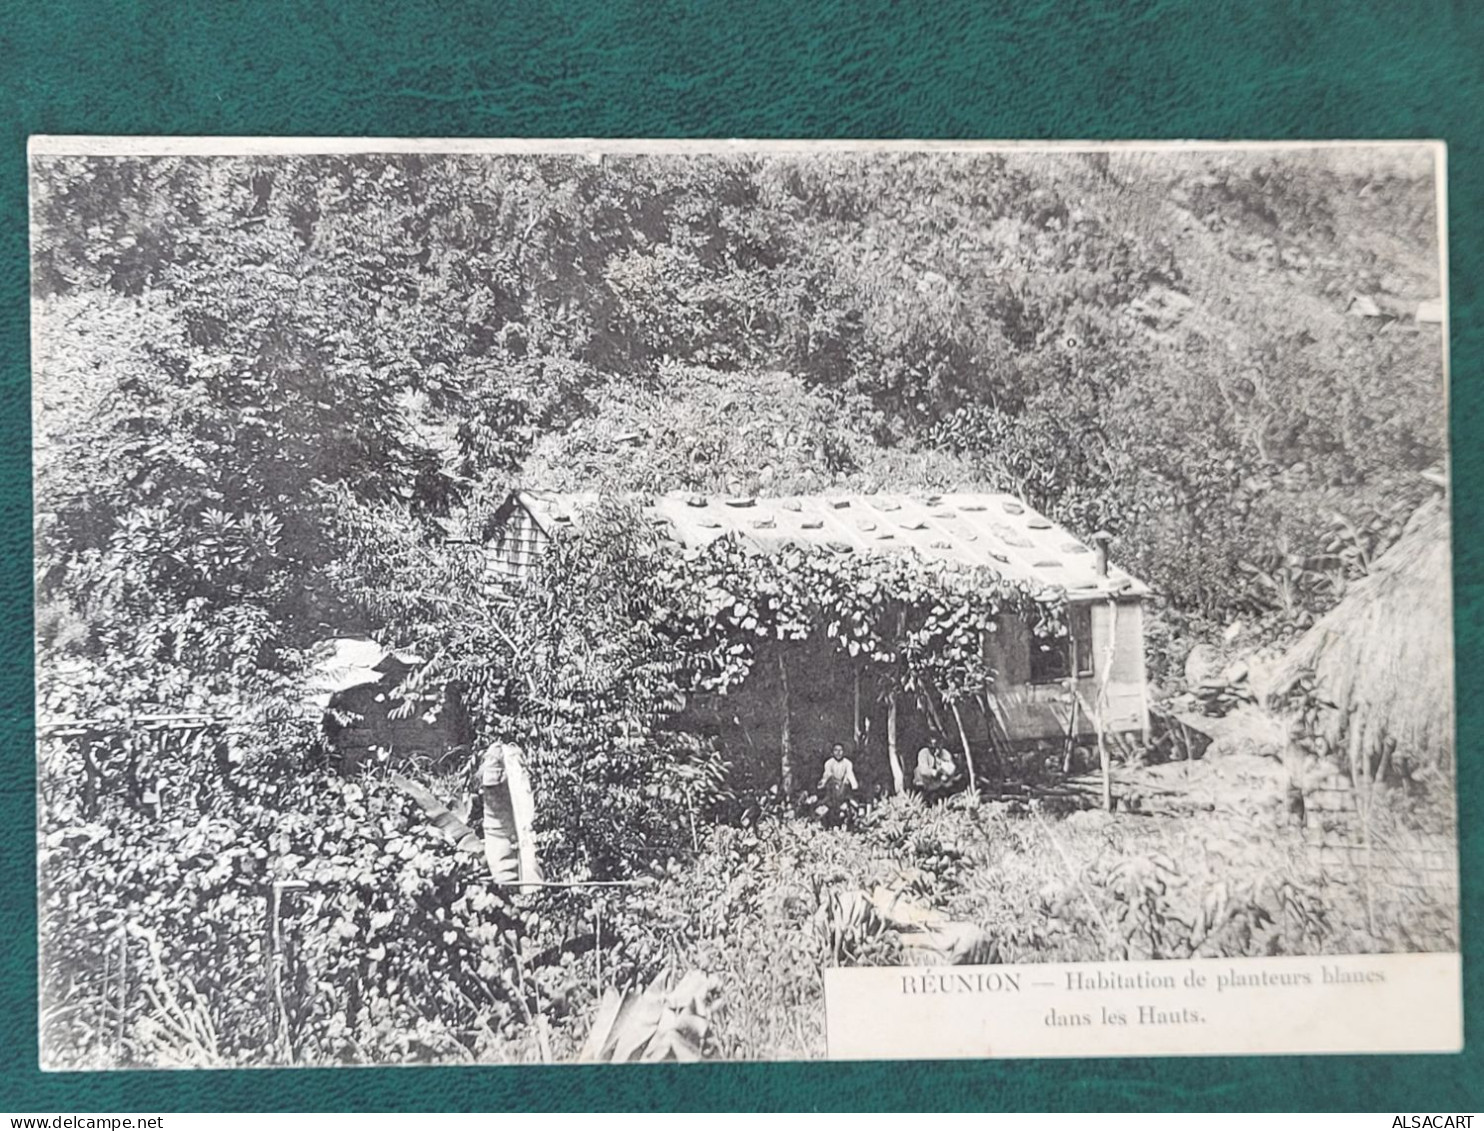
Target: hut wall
(1008, 651)
(1127, 704)
(822, 705)
(822, 711)
(1034, 711)
(515, 548)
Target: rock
(1088, 819)
(1201, 665)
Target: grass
(1199, 860)
(1206, 866)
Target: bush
(341, 930)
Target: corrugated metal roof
(995, 531)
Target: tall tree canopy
(229, 350)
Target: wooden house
(1059, 693)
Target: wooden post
(991, 744)
(598, 950)
(925, 701)
(1104, 759)
(856, 671)
(963, 736)
(1107, 767)
(278, 962)
(785, 765)
(123, 996)
(898, 784)
(1365, 789)
(1073, 683)
(275, 973)
(898, 781)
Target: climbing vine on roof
(925, 622)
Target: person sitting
(936, 771)
(838, 780)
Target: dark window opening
(1054, 658)
(1079, 619)
(1050, 659)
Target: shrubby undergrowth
(274, 394)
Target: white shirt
(839, 769)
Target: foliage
(585, 662)
(689, 427)
(336, 929)
(397, 949)
(568, 665)
(850, 929)
(415, 327)
(1300, 587)
(925, 623)
(1158, 915)
(662, 1022)
(268, 388)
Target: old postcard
(539, 601)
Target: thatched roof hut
(1383, 657)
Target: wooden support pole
(123, 992)
(930, 708)
(277, 964)
(1104, 758)
(598, 950)
(963, 736)
(892, 756)
(785, 761)
(1072, 682)
(856, 672)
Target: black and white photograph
(519, 602)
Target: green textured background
(765, 68)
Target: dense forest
(267, 390)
